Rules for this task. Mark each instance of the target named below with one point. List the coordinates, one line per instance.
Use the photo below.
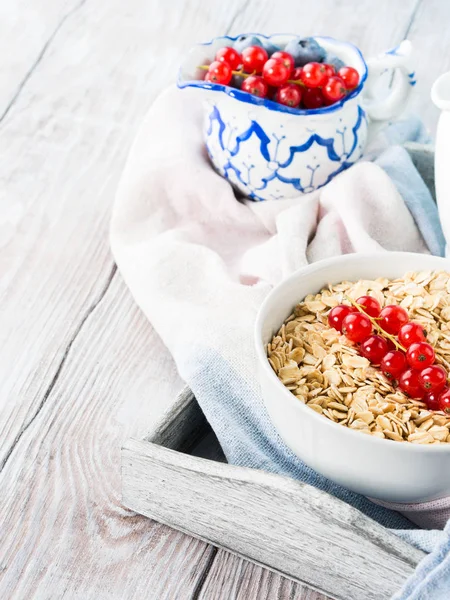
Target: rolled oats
(324, 370)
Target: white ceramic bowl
(381, 469)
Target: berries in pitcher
(275, 72)
(254, 58)
(289, 94)
(349, 76)
(313, 75)
(333, 90)
(255, 85)
(300, 62)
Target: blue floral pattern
(283, 170)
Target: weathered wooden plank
(64, 529)
(233, 578)
(429, 34)
(272, 520)
(25, 34)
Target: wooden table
(81, 369)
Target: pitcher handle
(398, 58)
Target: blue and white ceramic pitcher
(269, 151)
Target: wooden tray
(180, 477)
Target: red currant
(338, 314)
(432, 399)
(374, 348)
(312, 98)
(289, 94)
(296, 75)
(255, 85)
(254, 59)
(275, 72)
(408, 382)
(392, 318)
(288, 59)
(333, 89)
(433, 378)
(444, 401)
(420, 355)
(349, 76)
(393, 364)
(219, 72)
(230, 56)
(313, 74)
(329, 70)
(411, 333)
(356, 327)
(370, 305)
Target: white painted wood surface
(80, 368)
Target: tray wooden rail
(179, 476)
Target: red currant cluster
(406, 360)
(311, 86)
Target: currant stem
(376, 325)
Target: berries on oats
(374, 348)
(230, 56)
(370, 305)
(219, 72)
(338, 314)
(409, 383)
(289, 94)
(433, 378)
(392, 317)
(275, 72)
(411, 333)
(444, 401)
(356, 327)
(254, 59)
(255, 85)
(432, 399)
(393, 364)
(420, 355)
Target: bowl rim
(275, 106)
(289, 397)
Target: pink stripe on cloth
(427, 515)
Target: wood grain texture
(428, 32)
(273, 520)
(80, 368)
(233, 578)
